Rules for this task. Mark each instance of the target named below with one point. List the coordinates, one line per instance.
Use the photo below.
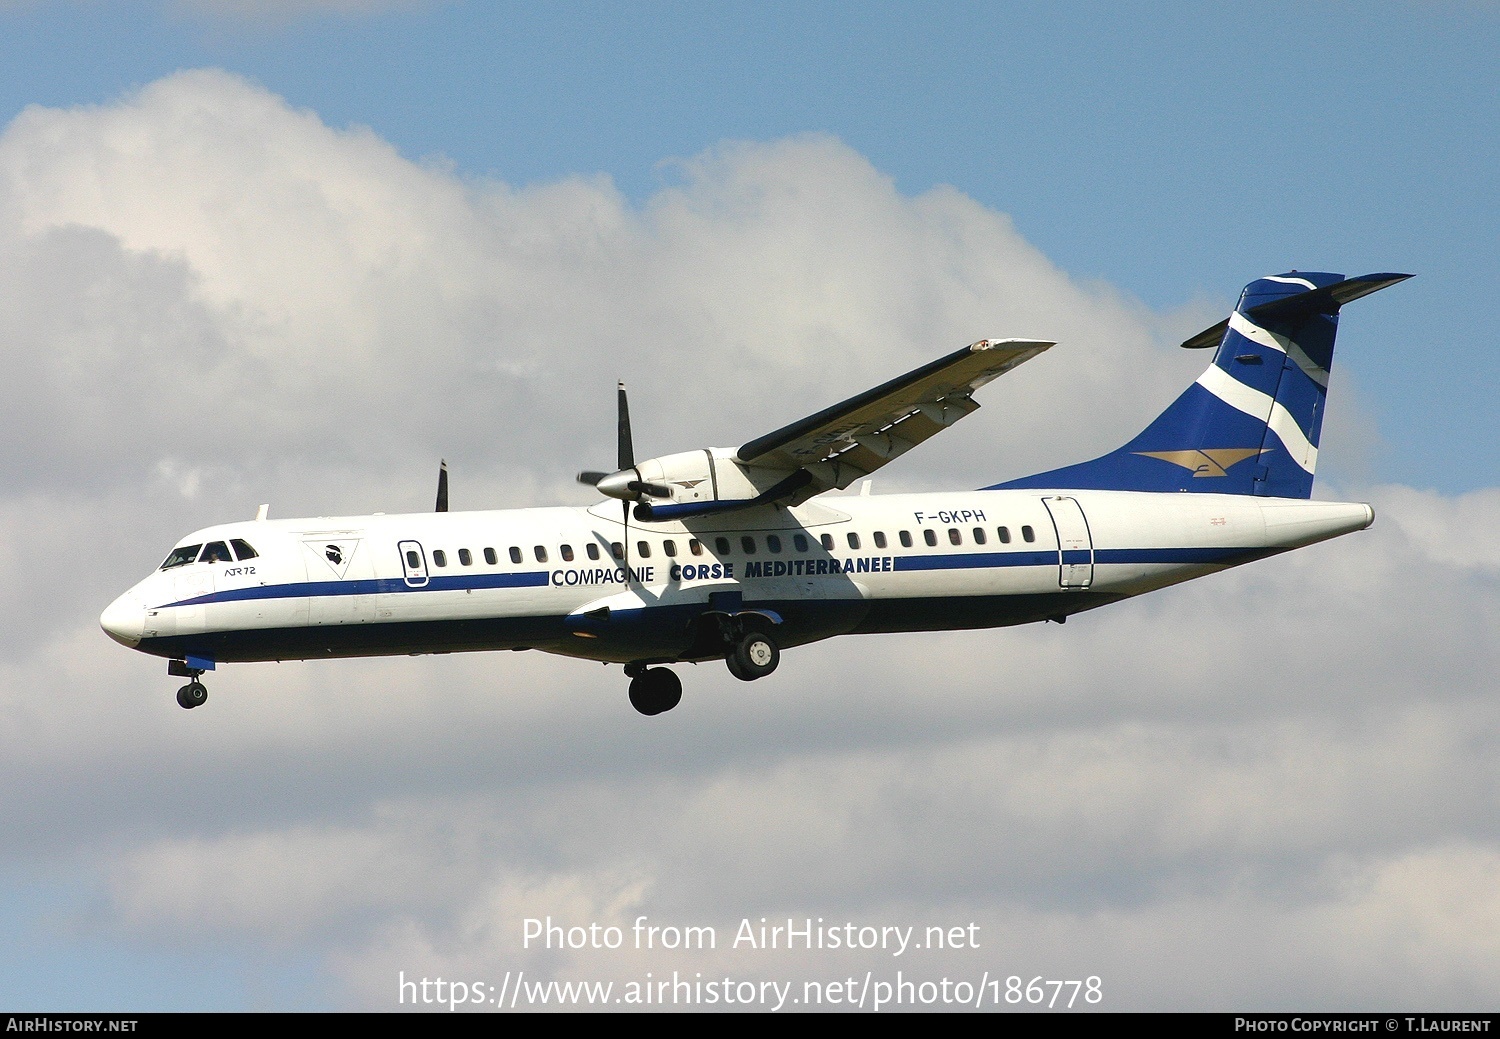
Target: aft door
(1075, 549)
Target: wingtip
(995, 344)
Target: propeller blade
(655, 490)
(626, 454)
(442, 495)
(591, 477)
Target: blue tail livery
(1252, 421)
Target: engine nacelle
(709, 480)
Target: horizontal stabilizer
(1326, 300)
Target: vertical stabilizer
(1252, 422)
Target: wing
(865, 432)
(828, 450)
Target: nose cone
(124, 620)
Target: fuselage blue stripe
(1175, 555)
(976, 560)
(378, 586)
(541, 578)
(980, 560)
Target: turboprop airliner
(736, 554)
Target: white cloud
(1268, 788)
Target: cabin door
(1075, 549)
(413, 564)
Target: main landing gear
(656, 690)
(653, 690)
(195, 693)
(754, 656)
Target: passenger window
(748, 544)
(722, 545)
(799, 542)
(465, 557)
(439, 557)
(643, 549)
(182, 556)
(490, 557)
(617, 549)
(827, 542)
(541, 553)
(567, 553)
(880, 539)
(242, 549)
(216, 552)
(853, 539)
(669, 547)
(413, 561)
(906, 539)
(930, 536)
(1028, 533)
(695, 546)
(773, 543)
(593, 550)
(1004, 535)
(515, 554)
(955, 537)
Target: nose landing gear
(195, 693)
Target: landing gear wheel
(755, 656)
(194, 694)
(655, 691)
(736, 670)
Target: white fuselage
(580, 582)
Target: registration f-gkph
(736, 554)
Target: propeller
(625, 483)
(442, 495)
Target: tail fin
(1251, 423)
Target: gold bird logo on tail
(1213, 462)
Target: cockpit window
(181, 556)
(216, 552)
(242, 549)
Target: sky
(296, 252)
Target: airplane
(736, 554)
